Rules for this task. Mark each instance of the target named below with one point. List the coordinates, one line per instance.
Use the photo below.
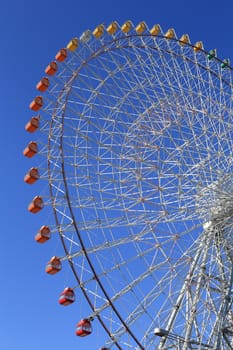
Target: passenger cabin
(127, 26)
(99, 31)
(53, 266)
(212, 54)
(141, 27)
(36, 104)
(184, 40)
(112, 28)
(225, 63)
(30, 150)
(43, 235)
(84, 328)
(67, 297)
(72, 45)
(36, 205)
(43, 84)
(86, 36)
(155, 30)
(170, 34)
(32, 176)
(61, 55)
(51, 69)
(198, 46)
(33, 124)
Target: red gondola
(43, 84)
(33, 124)
(36, 104)
(30, 150)
(84, 328)
(67, 297)
(61, 55)
(43, 235)
(51, 69)
(53, 266)
(36, 205)
(32, 176)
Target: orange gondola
(53, 266)
(33, 124)
(43, 235)
(51, 69)
(43, 84)
(61, 55)
(32, 176)
(84, 328)
(31, 149)
(36, 104)
(36, 205)
(67, 297)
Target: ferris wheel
(136, 133)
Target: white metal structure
(137, 132)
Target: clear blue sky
(31, 32)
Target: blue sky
(31, 32)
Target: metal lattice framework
(136, 128)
